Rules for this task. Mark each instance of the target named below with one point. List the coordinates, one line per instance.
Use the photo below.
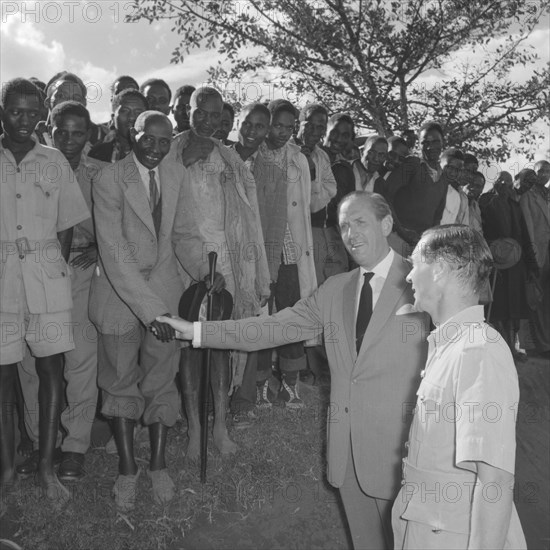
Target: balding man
(375, 344)
(222, 215)
(138, 209)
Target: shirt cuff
(196, 343)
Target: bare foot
(223, 442)
(8, 479)
(53, 489)
(193, 447)
(25, 447)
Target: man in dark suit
(138, 206)
(375, 344)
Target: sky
(91, 39)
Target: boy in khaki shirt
(40, 203)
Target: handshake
(166, 328)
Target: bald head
(151, 138)
(205, 111)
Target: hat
(506, 252)
(192, 306)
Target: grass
(271, 494)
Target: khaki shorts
(44, 333)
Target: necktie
(153, 190)
(365, 310)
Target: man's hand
(198, 149)
(183, 328)
(86, 259)
(162, 330)
(219, 283)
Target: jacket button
(47, 193)
(21, 257)
(62, 274)
(294, 203)
(19, 227)
(346, 409)
(18, 195)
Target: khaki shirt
(39, 198)
(465, 413)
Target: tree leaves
(376, 59)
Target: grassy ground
(270, 494)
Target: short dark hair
(373, 140)
(158, 82)
(396, 140)
(479, 174)
(70, 108)
(281, 106)
(540, 163)
(186, 89)
(470, 158)
(463, 249)
(259, 107)
(65, 76)
(129, 92)
(124, 77)
(451, 153)
(229, 108)
(342, 117)
(20, 87)
(38, 83)
(432, 126)
(312, 109)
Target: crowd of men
(105, 225)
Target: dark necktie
(153, 190)
(365, 310)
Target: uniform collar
(451, 330)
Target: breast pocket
(435, 416)
(46, 199)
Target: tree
(374, 59)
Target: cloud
(25, 46)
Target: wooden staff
(212, 257)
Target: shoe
(163, 486)
(244, 419)
(125, 490)
(30, 466)
(288, 396)
(71, 467)
(264, 395)
(307, 377)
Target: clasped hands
(167, 327)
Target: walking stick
(493, 283)
(212, 257)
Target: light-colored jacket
(299, 217)
(136, 278)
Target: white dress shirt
(380, 270)
(144, 175)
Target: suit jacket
(137, 276)
(372, 393)
(535, 208)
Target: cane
(493, 284)
(212, 257)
